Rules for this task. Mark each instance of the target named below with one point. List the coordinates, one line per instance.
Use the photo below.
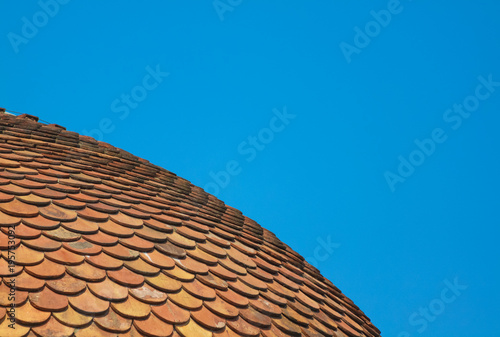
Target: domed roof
(99, 242)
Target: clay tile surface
(108, 244)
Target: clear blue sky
(333, 95)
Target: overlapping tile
(108, 244)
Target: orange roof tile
(107, 244)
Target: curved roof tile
(107, 244)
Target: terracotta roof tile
(272, 297)
(222, 308)
(72, 318)
(139, 266)
(108, 290)
(27, 282)
(66, 285)
(58, 213)
(5, 242)
(20, 330)
(192, 329)
(101, 238)
(213, 281)
(87, 303)
(208, 319)
(126, 220)
(232, 266)
(126, 277)
(92, 214)
(29, 315)
(233, 298)
(153, 326)
(5, 197)
(108, 244)
(159, 226)
(34, 199)
(8, 220)
(5, 301)
(22, 232)
(201, 256)
(242, 327)
(42, 243)
(132, 308)
(113, 322)
(86, 272)
(61, 234)
(148, 294)
(199, 290)
(64, 256)
(7, 269)
(48, 300)
(181, 241)
(281, 291)
(46, 270)
(137, 243)
(83, 247)
(171, 313)
(104, 261)
(185, 300)
(121, 252)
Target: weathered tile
(148, 294)
(66, 285)
(113, 322)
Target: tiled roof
(107, 244)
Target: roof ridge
(84, 141)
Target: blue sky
(363, 133)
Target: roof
(103, 243)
